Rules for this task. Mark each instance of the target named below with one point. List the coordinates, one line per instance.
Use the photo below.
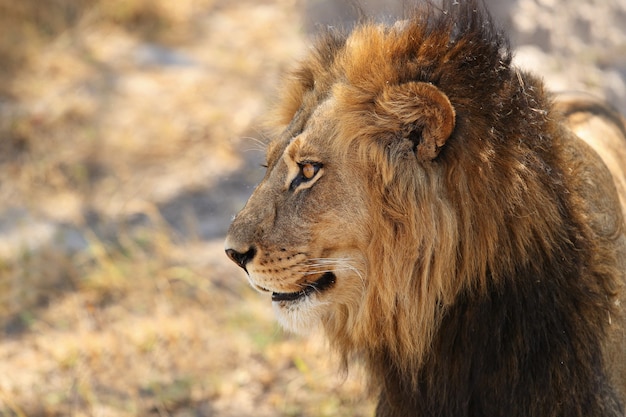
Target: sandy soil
(129, 138)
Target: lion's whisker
(324, 265)
(257, 145)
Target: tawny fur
(478, 246)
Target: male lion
(429, 206)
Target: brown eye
(308, 170)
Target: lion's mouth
(325, 282)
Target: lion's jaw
(318, 307)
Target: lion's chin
(301, 317)
(301, 312)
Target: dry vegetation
(121, 130)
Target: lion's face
(302, 234)
(341, 230)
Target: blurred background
(128, 138)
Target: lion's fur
(485, 243)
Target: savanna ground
(128, 139)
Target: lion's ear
(425, 114)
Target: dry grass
(122, 126)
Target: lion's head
(408, 164)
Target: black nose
(241, 259)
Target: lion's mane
(492, 284)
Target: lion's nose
(241, 258)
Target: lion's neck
(525, 347)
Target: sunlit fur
(489, 265)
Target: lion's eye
(308, 171)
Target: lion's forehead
(312, 141)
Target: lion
(446, 220)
